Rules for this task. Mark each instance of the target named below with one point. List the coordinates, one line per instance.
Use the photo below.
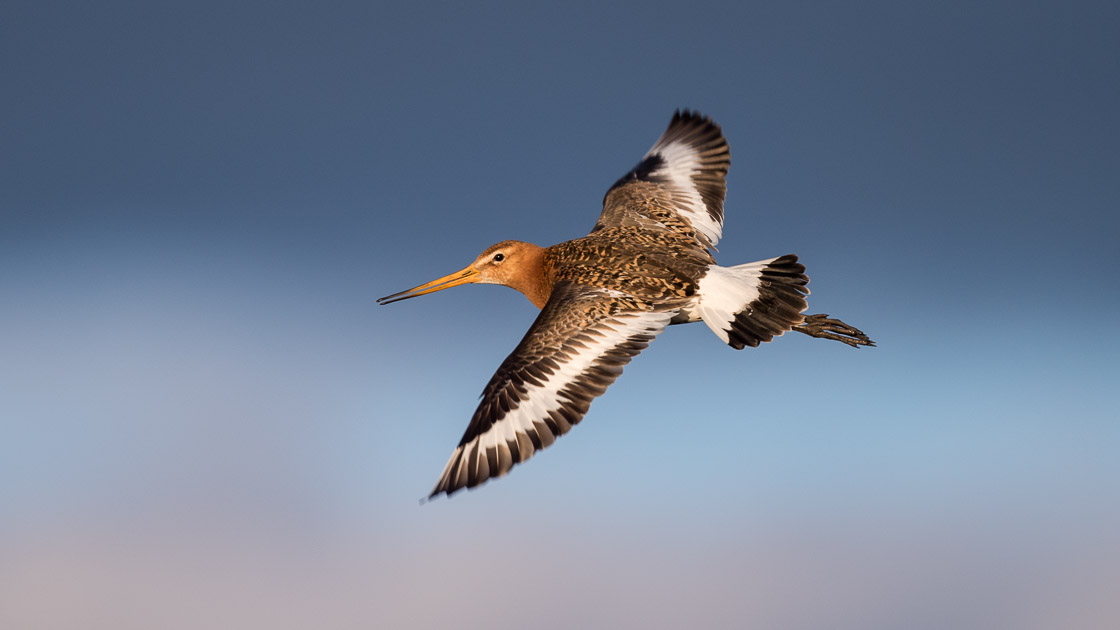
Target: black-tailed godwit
(646, 264)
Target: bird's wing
(574, 350)
(679, 185)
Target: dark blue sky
(199, 204)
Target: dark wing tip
(700, 132)
(687, 122)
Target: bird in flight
(645, 265)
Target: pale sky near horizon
(207, 421)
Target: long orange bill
(463, 276)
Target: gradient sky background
(207, 421)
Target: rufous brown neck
(531, 277)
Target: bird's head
(510, 263)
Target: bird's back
(651, 265)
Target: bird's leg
(823, 326)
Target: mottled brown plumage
(646, 264)
(631, 260)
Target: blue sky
(207, 419)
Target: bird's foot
(823, 326)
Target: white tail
(748, 304)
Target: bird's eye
(499, 257)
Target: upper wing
(679, 185)
(574, 350)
